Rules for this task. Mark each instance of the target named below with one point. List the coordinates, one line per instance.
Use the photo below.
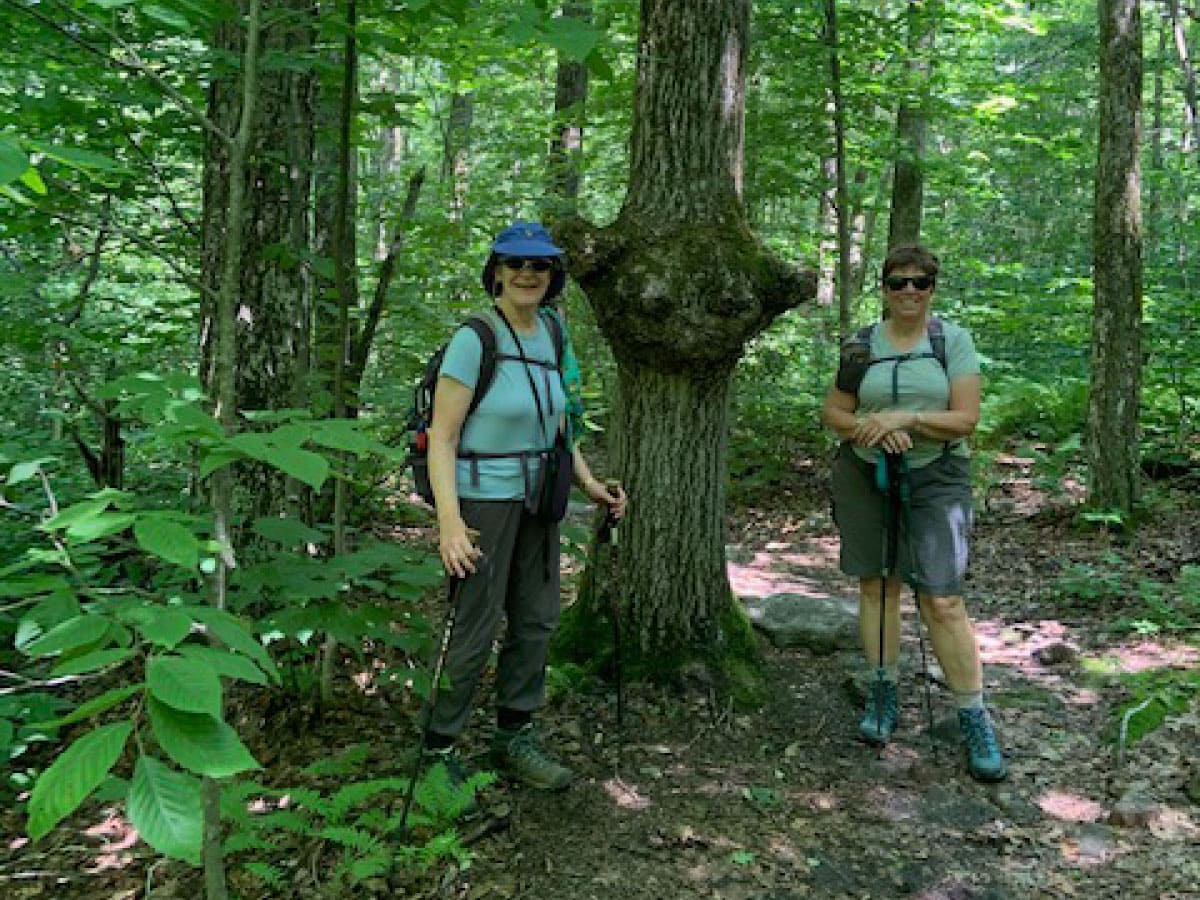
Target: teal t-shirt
(921, 385)
(506, 420)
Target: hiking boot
(882, 714)
(519, 754)
(457, 774)
(984, 760)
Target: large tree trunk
(908, 183)
(272, 290)
(679, 283)
(1117, 323)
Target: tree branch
(387, 270)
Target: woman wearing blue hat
(485, 467)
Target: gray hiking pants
(517, 578)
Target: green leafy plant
(357, 822)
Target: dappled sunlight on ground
(1140, 656)
(783, 568)
(1017, 643)
(626, 795)
(118, 836)
(1070, 807)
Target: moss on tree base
(731, 663)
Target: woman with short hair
(896, 396)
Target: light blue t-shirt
(506, 420)
(921, 385)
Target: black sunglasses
(897, 282)
(517, 263)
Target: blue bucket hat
(525, 239)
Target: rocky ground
(692, 799)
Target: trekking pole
(885, 482)
(905, 494)
(607, 534)
(455, 591)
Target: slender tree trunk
(1191, 118)
(566, 145)
(843, 192)
(224, 379)
(679, 283)
(827, 228)
(908, 182)
(861, 226)
(456, 153)
(1117, 323)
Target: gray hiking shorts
(940, 516)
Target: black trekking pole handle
(455, 591)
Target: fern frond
(360, 792)
(347, 762)
(362, 841)
(267, 873)
(248, 840)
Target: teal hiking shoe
(882, 714)
(520, 755)
(985, 762)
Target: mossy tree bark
(679, 284)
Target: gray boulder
(820, 624)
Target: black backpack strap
(937, 341)
(487, 361)
(855, 360)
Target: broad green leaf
(95, 706)
(165, 807)
(101, 525)
(184, 684)
(31, 585)
(199, 743)
(74, 775)
(340, 434)
(70, 635)
(23, 471)
(224, 662)
(256, 446)
(195, 419)
(32, 180)
(75, 514)
(288, 532)
(218, 459)
(573, 37)
(90, 662)
(303, 465)
(168, 540)
(76, 158)
(13, 161)
(167, 17)
(234, 633)
(164, 626)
